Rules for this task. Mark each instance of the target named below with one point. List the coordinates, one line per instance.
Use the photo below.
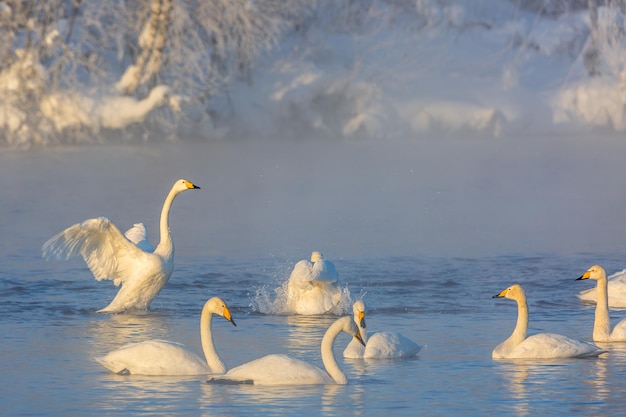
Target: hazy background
(286, 198)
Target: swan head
(595, 272)
(218, 306)
(514, 292)
(347, 325)
(184, 185)
(316, 256)
(358, 309)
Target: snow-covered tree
(65, 63)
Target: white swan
(616, 291)
(379, 345)
(537, 346)
(313, 287)
(160, 357)
(602, 324)
(112, 256)
(285, 370)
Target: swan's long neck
(166, 246)
(601, 325)
(521, 328)
(328, 357)
(212, 358)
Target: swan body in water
(161, 357)
(313, 286)
(379, 345)
(537, 346)
(111, 255)
(616, 290)
(284, 370)
(602, 325)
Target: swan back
(284, 370)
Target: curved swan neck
(328, 357)
(601, 324)
(206, 336)
(521, 328)
(166, 246)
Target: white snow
(453, 67)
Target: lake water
(260, 210)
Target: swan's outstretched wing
(106, 251)
(139, 236)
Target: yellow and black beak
(191, 185)
(362, 319)
(586, 275)
(501, 294)
(358, 337)
(228, 317)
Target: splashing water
(286, 302)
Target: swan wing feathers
(154, 357)
(324, 271)
(390, 345)
(108, 254)
(278, 370)
(301, 275)
(554, 346)
(139, 236)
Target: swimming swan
(602, 324)
(382, 345)
(616, 289)
(112, 256)
(313, 287)
(285, 370)
(538, 346)
(161, 357)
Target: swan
(538, 346)
(381, 345)
(313, 287)
(110, 255)
(284, 370)
(616, 290)
(161, 357)
(602, 325)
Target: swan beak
(362, 319)
(358, 337)
(500, 294)
(586, 275)
(228, 317)
(191, 185)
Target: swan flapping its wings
(126, 260)
(313, 286)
